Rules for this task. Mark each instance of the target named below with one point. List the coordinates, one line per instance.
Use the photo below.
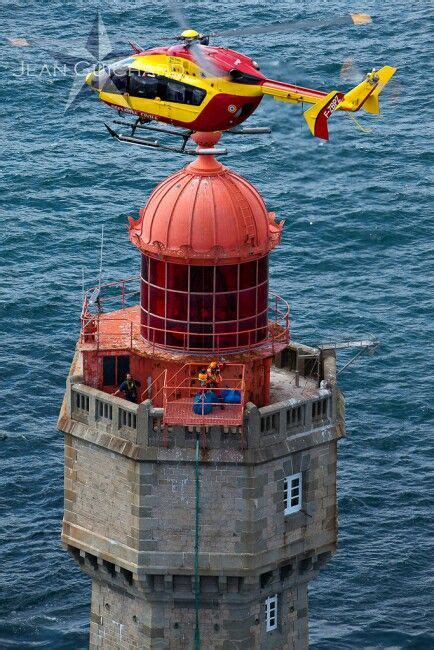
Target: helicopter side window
(175, 92)
(143, 85)
(180, 93)
(197, 96)
(146, 86)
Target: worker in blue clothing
(129, 388)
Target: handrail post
(143, 422)
(92, 411)
(252, 424)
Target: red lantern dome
(207, 214)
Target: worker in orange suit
(214, 379)
(214, 371)
(203, 377)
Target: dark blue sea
(356, 260)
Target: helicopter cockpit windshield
(99, 78)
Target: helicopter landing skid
(132, 138)
(184, 134)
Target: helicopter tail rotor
(372, 104)
(366, 94)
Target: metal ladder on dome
(246, 211)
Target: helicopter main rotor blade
(292, 26)
(177, 13)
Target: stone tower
(199, 529)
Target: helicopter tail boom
(365, 95)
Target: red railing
(109, 292)
(106, 330)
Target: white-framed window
(292, 493)
(271, 613)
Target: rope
(196, 551)
(363, 129)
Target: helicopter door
(181, 93)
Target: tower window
(265, 579)
(292, 493)
(271, 613)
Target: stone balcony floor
(283, 387)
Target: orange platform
(181, 412)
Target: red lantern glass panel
(157, 301)
(201, 308)
(262, 270)
(201, 279)
(226, 278)
(156, 329)
(247, 303)
(262, 298)
(226, 307)
(145, 267)
(204, 307)
(158, 273)
(248, 275)
(177, 306)
(177, 277)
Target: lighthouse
(201, 510)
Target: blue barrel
(224, 393)
(232, 397)
(201, 403)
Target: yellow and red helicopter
(205, 88)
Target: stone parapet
(137, 430)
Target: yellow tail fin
(372, 104)
(366, 94)
(317, 115)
